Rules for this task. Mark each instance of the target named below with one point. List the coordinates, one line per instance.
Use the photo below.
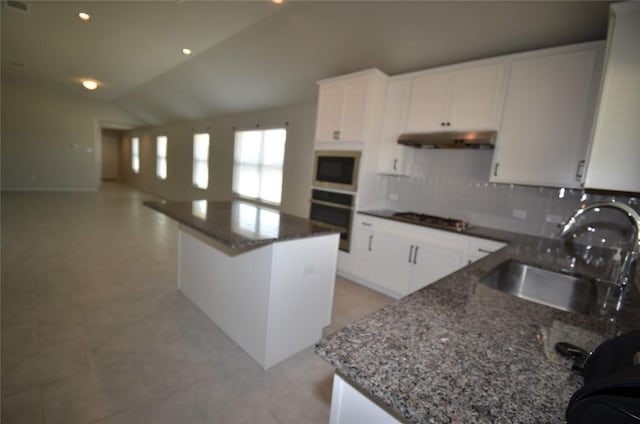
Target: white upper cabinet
(547, 116)
(347, 106)
(428, 104)
(330, 106)
(466, 98)
(391, 155)
(614, 158)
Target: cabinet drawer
(479, 248)
(366, 223)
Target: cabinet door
(428, 102)
(361, 250)
(479, 248)
(615, 152)
(330, 111)
(475, 97)
(546, 119)
(390, 265)
(354, 109)
(431, 262)
(390, 153)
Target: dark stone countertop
(238, 225)
(474, 231)
(459, 351)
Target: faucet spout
(627, 267)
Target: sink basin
(566, 292)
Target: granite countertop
(238, 225)
(459, 351)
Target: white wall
(51, 141)
(298, 162)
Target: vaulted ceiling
(256, 55)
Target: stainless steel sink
(566, 292)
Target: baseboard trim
(50, 189)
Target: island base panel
(272, 301)
(348, 406)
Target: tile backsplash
(454, 183)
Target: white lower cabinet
(398, 259)
(478, 248)
(388, 262)
(431, 262)
(349, 406)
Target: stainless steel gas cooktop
(431, 221)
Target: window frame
(260, 166)
(198, 162)
(135, 154)
(162, 158)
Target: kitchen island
(263, 277)
(459, 351)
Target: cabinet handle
(579, 170)
(448, 124)
(395, 164)
(370, 240)
(442, 124)
(481, 250)
(366, 224)
(415, 255)
(495, 169)
(410, 253)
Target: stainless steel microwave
(336, 170)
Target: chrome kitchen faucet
(627, 268)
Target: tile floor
(94, 330)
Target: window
(201, 160)
(135, 154)
(161, 157)
(257, 164)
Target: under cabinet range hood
(450, 140)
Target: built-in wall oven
(336, 170)
(335, 209)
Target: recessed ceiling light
(84, 16)
(186, 52)
(277, 1)
(90, 84)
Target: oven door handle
(333, 205)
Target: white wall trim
(65, 189)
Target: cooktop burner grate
(431, 220)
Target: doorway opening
(111, 154)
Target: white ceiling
(256, 55)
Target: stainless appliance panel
(337, 170)
(335, 209)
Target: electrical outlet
(554, 219)
(308, 269)
(519, 213)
